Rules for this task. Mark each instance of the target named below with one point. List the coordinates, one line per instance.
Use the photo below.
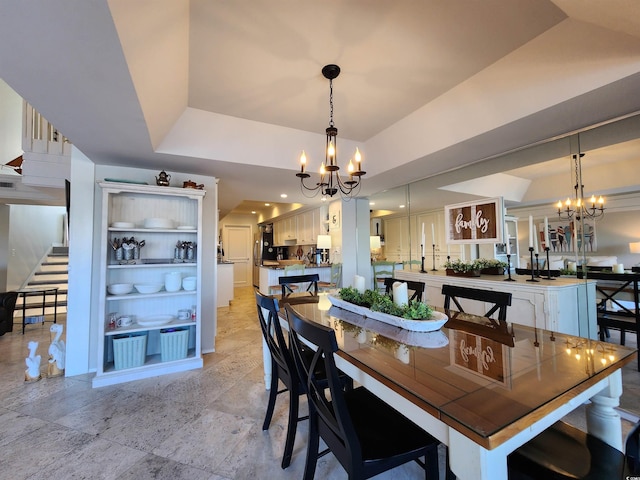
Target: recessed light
(253, 212)
(283, 195)
(267, 204)
(401, 206)
(371, 204)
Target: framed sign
(481, 221)
(481, 357)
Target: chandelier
(330, 181)
(577, 207)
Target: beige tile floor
(204, 424)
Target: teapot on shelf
(163, 179)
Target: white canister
(173, 281)
(618, 268)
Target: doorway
(238, 249)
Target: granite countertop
(280, 267)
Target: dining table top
(483, 378)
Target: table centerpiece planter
(437, 319)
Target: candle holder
(532, 279)
(422, 270)
(548, 277)
(509, 279)
(537, 265)
(433, 250)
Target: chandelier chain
(331, 124)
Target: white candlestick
(400, 293)
(508, 246)
(423, 239)
(530, 231)
(433, 235)
(448, 250)
(536, 234)
(547, 244)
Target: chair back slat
(500, 300)
(310, 278)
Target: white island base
(566, 305)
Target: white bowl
(189, 283)
(148, 287)
(155, 320)
(158, 223)
(120, 288)
(123, 225)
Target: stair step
(52, 272)
(40, 283)
(59, 251)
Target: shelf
(133, 296)
(139, 328)
(151, 230)
(151, 265)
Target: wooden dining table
(481, 387)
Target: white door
(238, 249)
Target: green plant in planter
(378, 302)
(492, 263)
(458, 266)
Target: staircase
(52, 272)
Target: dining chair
(365, 434)
(7, 307)
(416, 287)
(411, 263)
(500, 300)
(283, 370)
(381, 270)
(335, 279)
(565, 452)
(291, 283)
(296, 269)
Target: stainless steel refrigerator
(263, 249)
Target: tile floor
(203, 424)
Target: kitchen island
(565, 305)
(269, 275)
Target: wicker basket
(173, 344)
(129, 351)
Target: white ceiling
(234, 89)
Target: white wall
(32, 231)
(4, 246)
(10, 124)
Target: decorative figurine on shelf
(56, 352)
(163, 179)
(32, 373)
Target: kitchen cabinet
(396, 240)
(285, 230)
(162, 338)
(225, 284)
(307, 229)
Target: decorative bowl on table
(120, 288)
(148, 287)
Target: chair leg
(273, 393)
(313, 444)
(294, 401)
(431, 468)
